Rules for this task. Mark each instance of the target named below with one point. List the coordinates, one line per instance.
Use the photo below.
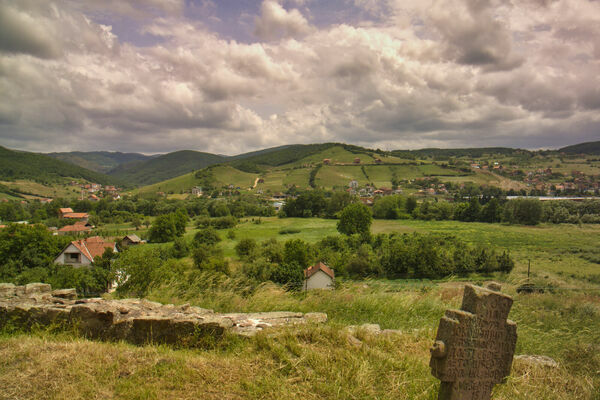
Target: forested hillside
(165, 166)
(99, 161)
(44, 169)
(582, 148)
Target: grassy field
(323, 361)
(35, 190)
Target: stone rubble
(542, 361)
(137, 321)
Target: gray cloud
(469, 73)
(21, 33)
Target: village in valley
(313, 237)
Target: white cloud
(275, 22)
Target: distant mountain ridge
(139, 170)
(99, 161)
(165, 166)
(43, 168)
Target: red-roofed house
(319, 276)
(63, 211)
(82, 252)
(78, 216)
(78, 228)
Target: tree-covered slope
(42, 168)
(99, 161)
(165, 167)
(468, 152)
(582, 148)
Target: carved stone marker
(474, 347)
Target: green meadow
(325, 361)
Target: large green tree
(355, 218)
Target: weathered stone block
(93, 320)
(7, 290)
(70, 294)
(31, 288)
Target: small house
(357, 160)
(78, 228)
(82, 252)
(63, 211)
(197, 191)
(326, 161)
(131, 240)
(78, 216)
(319, 276)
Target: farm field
(560, 254)
(34, 190)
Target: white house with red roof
(82, 252)
(319, 276)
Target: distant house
(356, 160)
(77, 216)
(319, 276)
(63, 211)
(279, 196)
(353, 184)
(378, 161)
(93, 197)
(197, 191)
(131, 240)
(277, 205)
(82, 252)
(78, 228)
(326, 161)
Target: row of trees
(515, 211)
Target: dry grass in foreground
(313, 361)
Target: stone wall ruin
(136, 321)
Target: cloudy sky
(230, 76)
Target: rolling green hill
(165, 167)
(582, 148)
(289, 166)
(44, 169)
(99, 161)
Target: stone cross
(474, 347)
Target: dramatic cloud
(152, 76)
(275, 22)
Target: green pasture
(336, 154)
(176, 185)
(559, 254)
(330, 176)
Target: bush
(288, 231)
(207, 236)
(245, 247)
